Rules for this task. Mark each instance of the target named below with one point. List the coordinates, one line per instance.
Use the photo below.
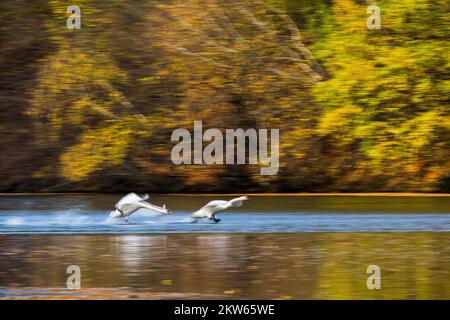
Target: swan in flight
(131, 203)
(211, 208)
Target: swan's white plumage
(132, 203)
(237, 202)
(130, 198)
(211, 208)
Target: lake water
(271, 248)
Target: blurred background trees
(93, 109)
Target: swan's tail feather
(167, 210)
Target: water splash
(98, 222)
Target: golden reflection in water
(257, 266)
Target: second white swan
(211, 208)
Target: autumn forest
(93, 109)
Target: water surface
(271, 248)
(214, 266)
(89, 214)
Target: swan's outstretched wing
(129, 208)
(130, 198)
(215, 204)
(237, 202)
(146, 205)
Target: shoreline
(301, 194)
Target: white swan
(132, 203)
(211, 208)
